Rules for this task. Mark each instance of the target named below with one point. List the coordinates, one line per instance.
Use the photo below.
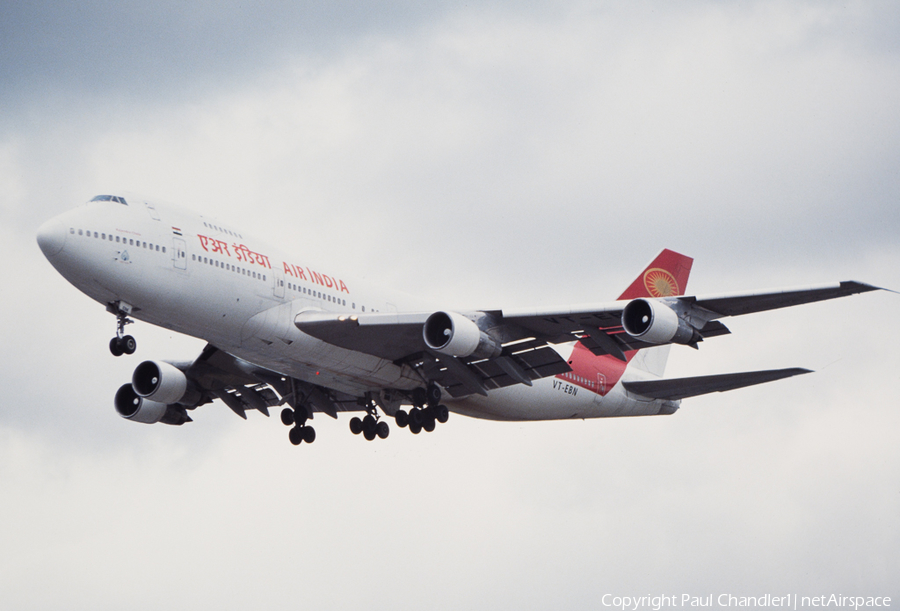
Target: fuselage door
(599, 390)
(279, 282)
(151, 209)
(179, 254)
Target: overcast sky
(483, 155)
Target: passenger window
(72, 230)
(95, 234)
(131, 241)
(80, 232)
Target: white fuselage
(196, 276)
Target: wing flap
(681, 388)
(389, 336)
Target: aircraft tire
(416, 416)
(287, 416)
(115, 347)
(309, 434)
(382, 430)
(296, 435)
(441, 413)
(129, 344)
(415, 428)
(428, 425)
(301, 414)
(401, 418)
(356, 425)
(432, 395)
(419, 396)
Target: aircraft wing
(398, 338)
(243, 386)
(599, 327)
(524, 334)
(748, 303)
(681, 388)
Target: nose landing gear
(121, 343)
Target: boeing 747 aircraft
(282, 332)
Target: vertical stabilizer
(665, 276)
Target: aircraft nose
(51, 237)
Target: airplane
(284, 332)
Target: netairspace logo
(787, 601)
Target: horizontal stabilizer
(681, 388)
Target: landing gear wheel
(382, 430)
(415, 416)
(415, 428)
(432, 395)
(401, 418)
(428, 425)
(356, 425)
(287, 416)
(115, 347)
(128, 344)
(419, 397)
(296, 435)
(309, 434)
(441, 413)
(301, 415)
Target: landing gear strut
(421, 417)
(121, 343)
(300, 431)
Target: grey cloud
(487, 156)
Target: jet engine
(134, 407)
(656, 323)
(454, 334)
(158, 381)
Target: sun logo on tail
(660, 283)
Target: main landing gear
(300, 431)
(426, 411)
(121, 343)
(370, 426)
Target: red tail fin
(666, 275)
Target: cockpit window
(110, 198)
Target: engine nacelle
(656, 323)
(159, 382)
(454, 334)
(133, 407)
